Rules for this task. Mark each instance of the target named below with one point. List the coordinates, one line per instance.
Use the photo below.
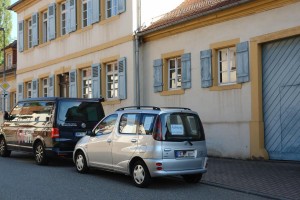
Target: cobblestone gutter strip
(243, 190)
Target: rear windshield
(80, 111)
(182, 127)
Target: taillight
(157, 131)
(55, 133)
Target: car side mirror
(6, 115)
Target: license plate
(185, 154)
(80, 134)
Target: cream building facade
(215, 61)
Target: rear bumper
(154, 172)
(54, 152)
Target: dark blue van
(48, 126)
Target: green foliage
(6, 23)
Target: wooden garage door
(281, 98)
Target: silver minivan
(146, 142)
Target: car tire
(3, 148)
(192, 178)
(140, 174)
(40, 155)
(80, 162)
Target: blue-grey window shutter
(242, 62)
(95, 11)
(51, 21)
(89, 11)
(35, 28)
(157, 75)
(96, 81)
(21, 36)
(73, 20)
(51, 86)
(68, 16)
(122, 87)
(20, 91)
(35, 88)
(206, 76)
(186, 71)
(121, 6)
(73, 84)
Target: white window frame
(115, 82)
(84, 11)
(63, 15)
(45, 26)
(231, 65)
(111, 8)
(9, 61)
(177, 78)
(45, 86)
(29, 24)
(29, 89)
(86, 75)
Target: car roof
(59, 99)
(153, 109)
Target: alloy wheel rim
(79, 162)
(39, 153)
(139, 174)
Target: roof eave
(202, 14)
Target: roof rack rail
(138, 107)
(181, 108)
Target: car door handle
(108, 140)
(167, 149)
(133, 140)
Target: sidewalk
(273, 179)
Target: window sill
(226, 87)
(44, 44)
(108, 20)
(172, 92)
(63, 37)
(111, 102)
(28, 50)
(89, 27)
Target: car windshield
(182, 127)
(79, 111)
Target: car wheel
(192, 178)
(80, 162)
(3, 148)
(140, 174)
(39, 154)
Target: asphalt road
(21, 178)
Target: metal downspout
(137, 55)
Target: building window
(111, 8)
(84, 13)
(87, 83)
(29, 33)
(64, 85)
(112, 80)
(45, 26)
(9, 61)
(29, 89)
(63, 18)
(227, 66)
(45, 86)
(174, 73)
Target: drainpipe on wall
(137, 55)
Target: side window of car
(106, 126)
(16, 112)
(146, 124)
(129, 123)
